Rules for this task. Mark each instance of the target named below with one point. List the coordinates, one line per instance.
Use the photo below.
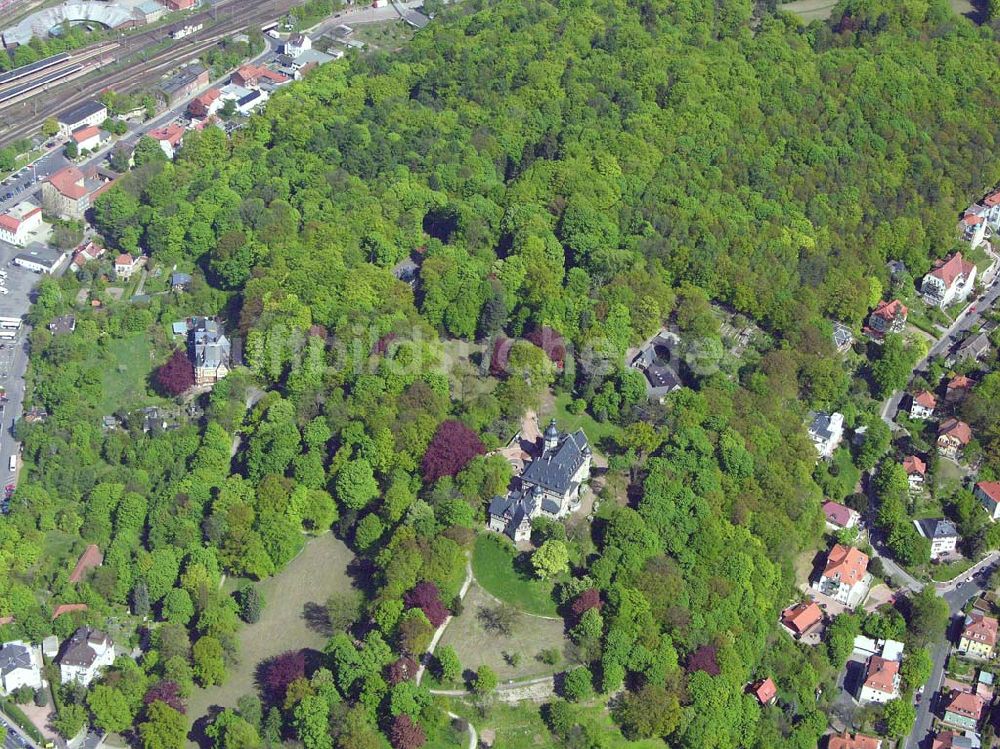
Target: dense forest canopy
(589, 169)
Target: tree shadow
(317, 618)
(197, 732)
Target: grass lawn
(319, 571)
(522, 726)
(495, 570)
(596, 431)
(941, 573)
(126, 373)
(947, 478)
(476, 646)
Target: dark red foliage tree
(168, 692)
(426, 597)
(451, 449)
(281, 671)
(551, 343)
(588, 599)
(176, 376)
(405, 669)
(500, 358)
(405, 734)
(704, 659)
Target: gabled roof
(81, 649)
(81, 112)
(91, 558)
(952, 427)
(68, 608)
(554, 469)
(69, 182)
(764, 690)
(960, 382)
(926, 399)
(951, 268)
(966, 704)
(938, 528)
(837, 514)
(952, 740)
(980, 628)
(881, 674)
(991, 489)
(857, 741)
(124, 259)
(847, 563)
(992, 199)
(914, 466)
(86, 133)
(172, 133)
(890, 310)
(802, 617)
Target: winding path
(444, 625)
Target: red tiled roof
(890, 310)
(802, 617)
(124, 259)
(951, 268)
(69, 182)
(172, 133)
(857, 741)
(991, 489)
(925, 398)
(913, 465)
(992, 199)
(847, 562)
(836, 513)
(966, 704)
(9, 222)
(85, 133)
(972, 219)
(249, 72)
(68, 608)
(764, 690)
(881, 674)
(981, 628)
(952, 427)
(90, 558)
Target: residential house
(916, 472)
(254, 76)
(802, 618)
(89, 113)
(85, 655)
(765, 691)
(20, 666)
(843, 337)
(85, 254)
(922, 405)
(847, 740)
(296, 44)
(974, 348)
(964, 710)
(952, 740)
(953, 436)
(550, 484)
(249, 102)
(206, 104)
(887, 317)
(87, 138)
(210, 351)
(839, 516)
(988, 493)
(170, 138)
(657, 360)
(845, 577)
(942, 534)
(974, 227)
(951, 280)
(125, 265)
(19, 222)
(957, 388)
(881, 682)
(62, 325)
(826, 431)
(979, 636)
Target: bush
(579, 684)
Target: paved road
(965, 321)
(956, 598)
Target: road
(956, 598)
(965, 321)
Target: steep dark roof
(14, 656)
(513, 508)
(76, 114)
(78, 651)
(554, 470)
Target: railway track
(60, 95)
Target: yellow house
(979, 636)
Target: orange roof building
(68, 608)
(765, 691)
(914, 466)
(856, 741)
(846, 568)
(802, 617)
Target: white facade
(826, 432)
(20, 221)
(297, 44)
(956, 288)
(20, 666)
(89, 652)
